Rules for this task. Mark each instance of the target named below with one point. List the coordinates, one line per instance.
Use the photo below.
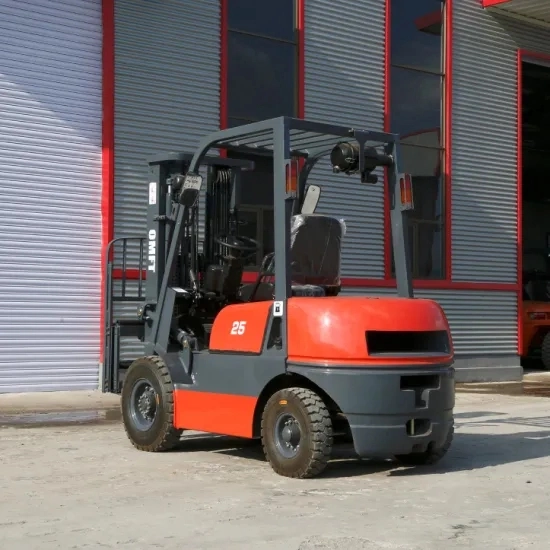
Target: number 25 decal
(238, 327)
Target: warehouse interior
(536, 167)
(535, 199)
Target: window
(417, 76)
(262, 83)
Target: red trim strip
(108, 145)
(358, 282)
(489, 3)
(519, 200)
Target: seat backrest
(316, 249)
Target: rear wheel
(431, 456)
(545, 352)
(147, 403)
(296, 433)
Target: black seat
(315, 256)
(315, 252)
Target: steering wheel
(243, 244)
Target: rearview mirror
(311, 199)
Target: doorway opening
(534, 314)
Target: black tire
(309, 452)
(149, 434)
(429, 457)
(545, 352)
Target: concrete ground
(70, 479)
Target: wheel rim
(287, 435)
(143, 404)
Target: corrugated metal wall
(167, 90)
(484, 140)
(50, 194)
(344, 84)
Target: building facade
(90, 89)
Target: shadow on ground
(470, 451)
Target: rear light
(537, 316)
(406, 189)
(292, 176)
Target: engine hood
(367, 330)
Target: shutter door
(344, 84)
(50, 194)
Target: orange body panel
(214, 412)
(240, 328)
(534, 328)
(332, 330)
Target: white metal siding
(484, 167)
(344, 84)
(50, 194)
(535, 11)
(167, 90)
(482, 323)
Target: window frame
(443, 149)
(297, 42)
(297, 72)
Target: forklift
(288, 359)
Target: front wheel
(147, 403)
(296, 433)
(429, 457)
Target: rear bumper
(390, 411)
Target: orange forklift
(535, 313)
(289, 359)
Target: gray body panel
(233, 374)
(378, 409)
(371, 398)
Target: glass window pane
(256, 185)
(262, 77)
(250, 230)
(425, 166)
(267, 17)
(268, 233)
(426, 248)
(415, 108)
(232, 122)
(416, 34)
(427, 254)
